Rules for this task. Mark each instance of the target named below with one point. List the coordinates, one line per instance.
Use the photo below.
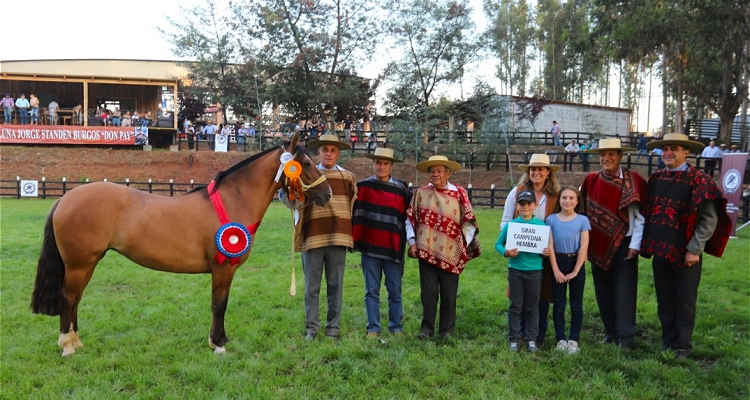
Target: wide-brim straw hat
(424, 166)
(539, 160)
(382, 153)
(679, 139)
(328, 139)
(609, 144)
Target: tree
(437, 39)
(511, 32)
(215, 73)
(310, 49)
(702, 47)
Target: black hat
(526, 195)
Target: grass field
(145, 334)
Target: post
(171, 188)
(492, 195)
(44, 188)
(18, 187)
(150, 187)
(65, 184)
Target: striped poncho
(379, 219)
(329, 225)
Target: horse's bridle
(295, 185)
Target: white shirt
(572, 148)
(712, 152)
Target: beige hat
(539, 160)
(680, 139)
(609, 144)
(328, 139)
(383, 153)
(424, 166)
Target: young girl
(570, 234)
(524, 277)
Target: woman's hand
(560, 277)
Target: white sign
(221, 142)
(29, 188)
(527, 237)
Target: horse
(171, 234)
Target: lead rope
(293, 287)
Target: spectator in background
(642, 141)
(22, 104)
(116, 117)
(348, 127)
(735, 149)
(34, 108)
(78, 114)
(126, 120)
(52, 111)
(372, 142)
(241, 135)
(556, 134)
(208, 132)
(573, 151)
(723, 148)
(710, 154)
(7, 104)
(659, 162)
(146, 119)
(135, 120)
(585, 156)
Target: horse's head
(312, 183)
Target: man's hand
(412, 251)
(632, 254)
(691, 259)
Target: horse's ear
(295, 139)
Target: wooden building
(130, 85)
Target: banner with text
(63, 134)
(732, 175)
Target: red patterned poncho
(437, 216)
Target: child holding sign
(524, 268)
(570, 232)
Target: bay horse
(171, 234)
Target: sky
(99, 30)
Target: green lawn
(145, 334)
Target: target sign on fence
(29, 188)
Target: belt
(566, 255)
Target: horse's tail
(50, 272)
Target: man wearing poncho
(445, 240)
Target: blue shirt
(566, 235)
(523, 261)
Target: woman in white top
(539, 177)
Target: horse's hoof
(77, 342)
(220, 350)
(68, 351)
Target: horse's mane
(223, 174)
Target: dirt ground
(116, 165)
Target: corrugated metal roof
(131, 69)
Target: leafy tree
(511, 33)
(310, 49)
(437, 39)
(201, 35)
(702, 47)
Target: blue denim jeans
(373, 269)
(576, 285)
(524, 289)
(23, 115)
(34, 115)
(8, 114)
